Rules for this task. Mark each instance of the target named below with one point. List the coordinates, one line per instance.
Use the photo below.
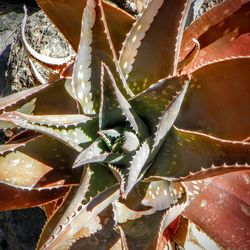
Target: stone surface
(19, 230)
(10, 20)
(45, 39)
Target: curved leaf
(48, 120)
(222, 32)
(96, 153)
(221, 209)
(42, 58)
(72, 137)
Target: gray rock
(45, 39)
(11, 15)
(19, 230)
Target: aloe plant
(143, 142)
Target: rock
(45, 39)
(20, 229)
(207, 5)
(11, 15)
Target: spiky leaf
(155, 41)
(225, 35)
(187, 152)
(85, 216)
(119, 22)
(216, 102)
(218, 199)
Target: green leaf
(167, 119)
(155, 41)
(138, 162)
(96, 153)
(110, 113)
(135, 121)
(110, 136)
(71, 137)
(27, 108)
(119, 176)
(192, 155)
(76, 219)
(130, 142)
(150, 104)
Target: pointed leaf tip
(136, 165)
(135, 121)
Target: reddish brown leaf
(222, 32)
(51, 207)
(171, 229)
(42, 162)
(218, 100)
(222, 209)
(16, 198)
(119, 22)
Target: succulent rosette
(142, 142)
